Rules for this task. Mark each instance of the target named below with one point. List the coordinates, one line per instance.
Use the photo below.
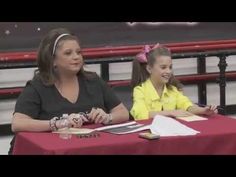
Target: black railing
(104, 56)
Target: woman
(62, 94)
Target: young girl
(155, 89)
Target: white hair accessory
(56, 41)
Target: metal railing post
(222, 83)
(201, 69)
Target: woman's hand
(73, 120)
(97, 115)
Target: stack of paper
(124, 128)
(166, 126)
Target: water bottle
(64, 123)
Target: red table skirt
(218, 136)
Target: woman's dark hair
(140, 73)
(46, 55)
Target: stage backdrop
(22, 36)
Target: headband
(56, 41)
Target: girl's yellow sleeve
(139, 109)
(183, 102)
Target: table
(218, 136)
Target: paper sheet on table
(192, 118)
(124, 128)
(166, 126)
(77, 131)
(115, 126)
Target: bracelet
(52, 124)
(64, 123)
(109, 119)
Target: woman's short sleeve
(28, 102)
(110, 98)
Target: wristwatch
(109, 119)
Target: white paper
(166, 126)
